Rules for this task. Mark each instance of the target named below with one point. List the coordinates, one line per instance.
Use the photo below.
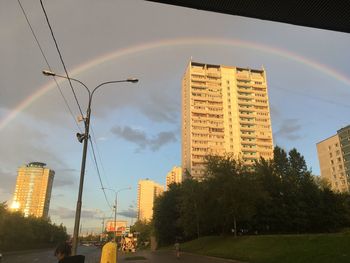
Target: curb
(217, 258)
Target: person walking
(177, 249)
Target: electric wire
(98, 172)
(99, 155)
(60, 55)
(47, 62)
(76, 99)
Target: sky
(136, 128)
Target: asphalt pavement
(93, 254)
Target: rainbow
(171, 43)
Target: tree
(166, 215)
(144, 229)
(232, 185)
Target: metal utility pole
(84, 137)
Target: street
(93, 254)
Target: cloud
(128, 213)
(288, 130)
(140, 138)
(66, 213)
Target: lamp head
(48, 73)
(133, 80)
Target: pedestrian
(63, 253)
(177, 249)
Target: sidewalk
(168, 256)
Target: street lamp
(115, 208)
(83, 137)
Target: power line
(98, 172)
(47, 62)
(76, 99)
(60, 55)
(99, 155)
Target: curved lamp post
(83, 137)
(115, 208)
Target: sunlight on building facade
(225, 109)
(33, 190)
(147, 192)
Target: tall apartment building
(174, 176)
(225, 109)
(334, 158)
(33, 190)
(146, 194)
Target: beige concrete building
(334, 158)
(174, 176)
(33, 190)
(225, 109)
(146, 194)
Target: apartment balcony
(253, 142)
(263, 141)
(259, 91)
(247, 114)
(199, 145)
(256, 103)
(249, 122)
(245, 84)
(248, 129)
(248, 136)
(245, 96)
(200, 124)
(264, 109)
(247, 149)
(198, 159)
(214, 99)
(244, 88)
(214, 74)
(246, 103)
(216, 133)
(210, 126)
(199, 98)
(251, 157)
(242, 77)
(264, 137)
(202, 111)
(198, 84)
(213, 81)
(259, 86)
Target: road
(93, 255)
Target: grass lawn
(318, 248)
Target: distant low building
(334, 159)
(174, 176)
(147, 192)
(33, 190)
